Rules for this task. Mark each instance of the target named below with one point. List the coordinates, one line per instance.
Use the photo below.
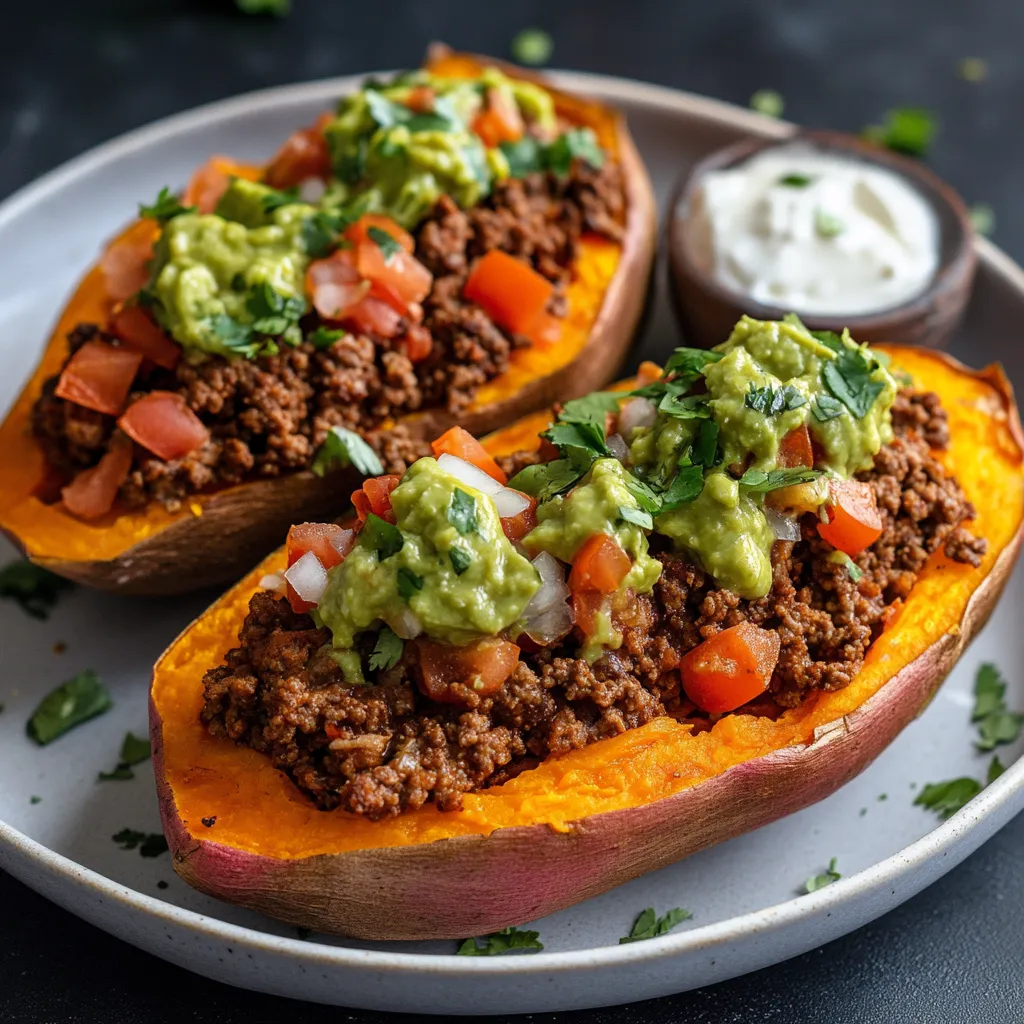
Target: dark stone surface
(77, 73)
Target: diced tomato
(334, 285)
(92, 493)
(323, 539)
(482, 666)
(795, 448)
(518, 526)
(514, 295)
(304, 155)
(421, 99)
(403, 275)
(587, 605)
(375, 496)
(463, 445)
(853, 520)
(99, 376)
(648, 373)
(372, 316)
(730, 668)
(359, 231)
(125, 264)
(417, 343)
(135, 327)
(162, 423)
(501, 121)
(211, 181)
(600, 565)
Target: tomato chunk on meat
(500, 121)
(162, 423)
(135, 327)
(125, 264)
(795, 448)
(359, 232)
(730, 668)
(598, 570)
(853, 520)
(304, 155)
(99, 376)
(328, 541)
(93, 492)
(375, 496)
(518, 526)
(334, 285)
(462, 444)
(402, 275)
(211, 181)
(482, 667)
(512, 293)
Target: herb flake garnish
(35, 589)
(827, 877)
(462, 512)
(649, 926)
(760, 482)
(532, 46)
(946, 798)
(795, 180)
(133, 751)
(149, 844)
(72, 703)
(461, 560)
(636, 516)
(575, 144)
(685, 487)
(380, 536)
(389, 248)
(325, 337)
(848, 377)
(505, 941)
(409, 584)
(343, 448)
(164, 207)
(276, 198)
(907, 130)
(387, 650)
(996, 723)
(825, 408)
(772, 402)
(545, 480)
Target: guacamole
(436, 515)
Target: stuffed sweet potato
(461, 244)
(690, 611)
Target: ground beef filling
(268, 416)
(383, 749)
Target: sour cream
(817, 232)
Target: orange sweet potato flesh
(218, 535)
(580, 823)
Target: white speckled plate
(743, 894)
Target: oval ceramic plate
(744, 895)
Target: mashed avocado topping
(446, 563)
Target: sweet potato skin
(219, 536)
(515, 874)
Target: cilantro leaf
(690, 407)
(409, 584)
(760, 482)
(545, 480)
(276, 198)
(772, 402)
(272, 312)
(462, 512)
(236, 337)
(705, 447)
(380, 536)
(584, 438)
(576, 143)
(164, 207)
(79, 699)
(591, 409)
(829, 339)
(387, 650)
(388, 246)
(649, 926)
(645, 496)
(343, 448)
(995, 769)
(524, 157)
(826, 408)
(461, 560)
(325, 337)
(685, 487)
(501, 942)
(149, 844)
(908, 130)
(997, 728)
(321, 231)
(133, 751)
(636, 516)
(989, 692)
(795, 180)
(830, 875)
(946, 798)
(34, 588)
(848, 377)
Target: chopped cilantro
(636, 516)
(946, 798)
(848, 377)
(907, 130)
(35, 800)
(234, 336)
(997, 728)
(582, 441)
(685, 487)
(575, 144)
(133, 751)
(409, 584)
(760, 482)
(705, 448)
(164, 207)
(386, 243)
(767, 102)
(325, 337)
(321, 231)
(380, 536)
(532, 46)
(272, 312)
(827, 877)
(343, 448)
(149, 844)
(853, 569)
(590, 409)
(825, 408)
(461, 560)
(76, 701)
(545, 480)
(645, 497)
(504, 941)
(995, 769)
(462, 512)
(828, 225)
(387, 650)
(773, 402)
(34, 588)
(649, 926)
(983, 218)
(276, 198)
(524, 156)
(795, 180)
(996, 723)
(689, 362)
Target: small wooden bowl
(707, 310)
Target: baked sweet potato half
(205, 526)
(578, 823)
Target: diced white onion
(618, 447)
(406, 624)
(552, 586)
(468, 474)
(637, 412)
(510, 503)
(549, 627)
(273, 581)
(342, 541)
(784, 527)
(312, 190)
(308, 578)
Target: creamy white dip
(817, 232)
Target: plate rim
(846, 891)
